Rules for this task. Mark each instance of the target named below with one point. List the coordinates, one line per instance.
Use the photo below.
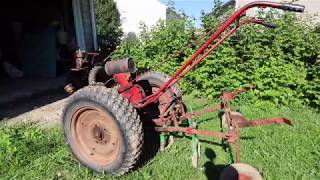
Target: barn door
(85, 25)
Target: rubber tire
(127, 119)
(159, 78)
(155, 79)
(95, 73)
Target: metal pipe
(192, 131)
(122, 66)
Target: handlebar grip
(292, 7)
(269, 25)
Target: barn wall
(85, 24)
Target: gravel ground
(44, 110)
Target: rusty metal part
(228, 96)
(240, 171)
(186, 116)
(235, 117)
(172, 113)
(243, 122)
(232, 125)
(163, 103)
(126, 65)
(85, 60)
(69, 88)
(79, 58)
(277, 120)
(195, 131)
(96, 135)
(231, 120)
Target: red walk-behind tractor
(104, 122)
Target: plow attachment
(242, 122)
(279, 120)
(231, 123)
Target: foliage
(157, 48)
(108, 25)
(279, 152)
(282, 63)
(276, 61)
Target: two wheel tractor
(104, 122)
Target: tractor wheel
(97, 76)
(158, 79)
(103, 130)
(151, 82)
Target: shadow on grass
(24, 105)
(212, 170)
(150, 148)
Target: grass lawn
(279, 152)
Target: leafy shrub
(108, 25)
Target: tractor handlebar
(199, 55)
(292, 7)
(283, 6)
(269, 25)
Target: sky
(193, 7)
(133, 12)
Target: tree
(108, 25)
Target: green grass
(279, 152)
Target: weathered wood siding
(87, 24)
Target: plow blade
(242, 122)
(278, 120)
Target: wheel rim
(96, 135)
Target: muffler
(121, 66)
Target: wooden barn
(38, 39)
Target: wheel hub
(101, 135)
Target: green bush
(282, 63)
(108, 25)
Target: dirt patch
(45, 110)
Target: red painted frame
(192, 62)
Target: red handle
(283, 6)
